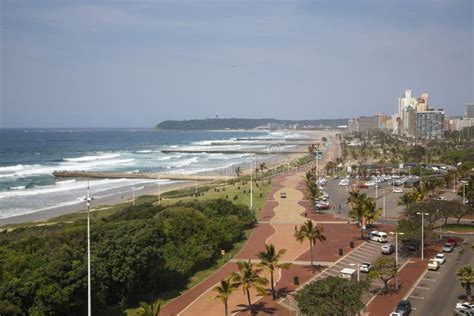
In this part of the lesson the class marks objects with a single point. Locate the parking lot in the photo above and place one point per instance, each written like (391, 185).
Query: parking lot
(437, 292)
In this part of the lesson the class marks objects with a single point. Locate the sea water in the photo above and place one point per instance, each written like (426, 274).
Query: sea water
(29, 156)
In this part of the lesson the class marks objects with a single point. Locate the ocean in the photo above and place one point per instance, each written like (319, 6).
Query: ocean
(29, 156)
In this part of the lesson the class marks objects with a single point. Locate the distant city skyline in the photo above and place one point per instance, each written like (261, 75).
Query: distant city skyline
(134, 64)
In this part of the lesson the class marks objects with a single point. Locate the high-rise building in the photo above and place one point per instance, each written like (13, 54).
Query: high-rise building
(422, 103)
(367, 123)
(470, 111)
(406, 103)
(430, 124)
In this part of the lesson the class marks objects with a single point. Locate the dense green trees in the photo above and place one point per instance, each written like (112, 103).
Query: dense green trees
(137, 253)
(331, 296)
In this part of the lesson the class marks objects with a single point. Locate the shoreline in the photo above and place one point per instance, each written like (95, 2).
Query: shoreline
(117, 198)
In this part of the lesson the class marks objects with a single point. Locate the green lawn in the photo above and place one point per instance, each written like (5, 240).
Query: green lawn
(458, 228)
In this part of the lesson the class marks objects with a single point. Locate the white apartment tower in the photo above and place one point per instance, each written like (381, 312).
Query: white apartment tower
(406, 104)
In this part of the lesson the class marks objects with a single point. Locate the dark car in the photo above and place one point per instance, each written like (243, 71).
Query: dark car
(403, 308)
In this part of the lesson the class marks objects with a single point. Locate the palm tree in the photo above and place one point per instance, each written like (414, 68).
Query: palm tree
(149, 309)
(311, 232)
(248, 277)
(237, 171)
(465, 274)
(311, 149)
(373, 213)
(406, 199)
(224, 290)
(360, 207)
(269, 261)
(262, 166)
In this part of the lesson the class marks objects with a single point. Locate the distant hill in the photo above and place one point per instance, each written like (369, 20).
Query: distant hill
(239, 123)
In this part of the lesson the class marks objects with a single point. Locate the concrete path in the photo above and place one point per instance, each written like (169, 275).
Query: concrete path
(276, 225)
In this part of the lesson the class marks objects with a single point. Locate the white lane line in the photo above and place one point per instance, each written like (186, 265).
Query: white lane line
(432, 280)
(437, 272)
(422, 287)
(418, 297)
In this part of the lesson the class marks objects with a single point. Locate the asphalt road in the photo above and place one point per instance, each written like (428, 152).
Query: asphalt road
(439, 291)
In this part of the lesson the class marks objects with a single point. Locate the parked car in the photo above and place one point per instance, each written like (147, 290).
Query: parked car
(464, 306)
(453, 241)
(362, 186)
(448, 247)
(403, 308)
(344, 182)
(283, 195)
(321, 205)
(397, 190)
(378, 236)
(365, 267)
(441, 258)
(463, 312)
(433, 265)
(387, 249)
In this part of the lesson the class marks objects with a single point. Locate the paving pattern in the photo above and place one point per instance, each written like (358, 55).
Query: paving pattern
(276, 225)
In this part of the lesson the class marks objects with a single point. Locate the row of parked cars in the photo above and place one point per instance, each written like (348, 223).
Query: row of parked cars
(440, 258)
(323, 202)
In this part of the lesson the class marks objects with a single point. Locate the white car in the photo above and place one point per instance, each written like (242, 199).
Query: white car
(441, 258)
(433, 265)
(397, 190)
(344, 182)
(464, 306)
(365, 267)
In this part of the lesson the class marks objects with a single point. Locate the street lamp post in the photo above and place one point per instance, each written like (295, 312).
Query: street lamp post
(383, 204)
(422, 234)
(88, 200)
(133, 196)
(396, 255)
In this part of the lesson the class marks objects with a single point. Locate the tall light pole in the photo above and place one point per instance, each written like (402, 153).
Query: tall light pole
(464, 192)
(133, 196)
(422, 234)
(383, 204)
(88, 200)
(251, 183)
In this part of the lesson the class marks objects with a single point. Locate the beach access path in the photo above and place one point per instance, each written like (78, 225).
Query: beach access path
(276, 226)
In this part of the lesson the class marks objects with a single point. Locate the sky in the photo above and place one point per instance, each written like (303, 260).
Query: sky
(136, 63)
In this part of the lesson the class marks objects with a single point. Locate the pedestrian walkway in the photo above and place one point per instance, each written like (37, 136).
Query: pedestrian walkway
(278, 219)
(384, 304)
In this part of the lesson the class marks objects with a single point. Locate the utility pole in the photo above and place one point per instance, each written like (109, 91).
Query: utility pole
(383, 204)
(422, 234)
(88, 200)
(251, 185)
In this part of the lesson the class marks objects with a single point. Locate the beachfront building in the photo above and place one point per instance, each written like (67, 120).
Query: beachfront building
(470, 110)
(430, 124)
(406, 103)
(408, 106)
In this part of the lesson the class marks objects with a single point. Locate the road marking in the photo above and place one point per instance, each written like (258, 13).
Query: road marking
(418, 297)
(422, 287)
(437, 272)
(427, 279)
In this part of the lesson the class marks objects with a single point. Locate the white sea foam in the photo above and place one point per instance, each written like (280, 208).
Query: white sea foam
(92, 158)
(63, 182)
(146, 151)
(20, 187)
(11, 168)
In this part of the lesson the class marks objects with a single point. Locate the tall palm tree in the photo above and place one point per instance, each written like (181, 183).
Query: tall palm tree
(465, 274)
(406, 199)
(262, 166)
(270, 260)
(248, 277)
(149, 309)
(237, 171)
(224, 290)
(311, 232)
(360, 206)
